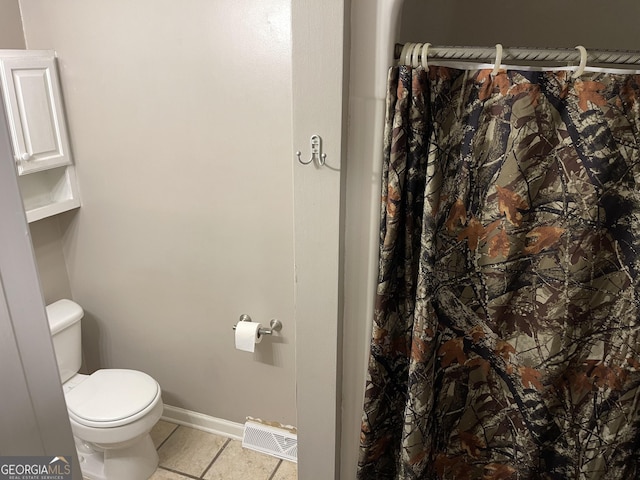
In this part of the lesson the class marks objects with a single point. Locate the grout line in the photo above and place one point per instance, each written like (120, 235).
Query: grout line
(215, 458)
(168, 436)
(188, 475)
(275, 470)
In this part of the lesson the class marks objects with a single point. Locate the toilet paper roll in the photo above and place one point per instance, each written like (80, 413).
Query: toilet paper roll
(247, 336)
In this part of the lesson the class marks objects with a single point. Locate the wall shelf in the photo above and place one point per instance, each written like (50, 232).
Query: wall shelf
(37, 125)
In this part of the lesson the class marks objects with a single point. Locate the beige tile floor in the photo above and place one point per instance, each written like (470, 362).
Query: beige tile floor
(186, 453)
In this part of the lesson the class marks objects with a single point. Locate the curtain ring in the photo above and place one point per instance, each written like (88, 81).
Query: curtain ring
(415, 51)
(498, 61)
(583, 62)
(424, 54)
(405, 56)
(405, 47)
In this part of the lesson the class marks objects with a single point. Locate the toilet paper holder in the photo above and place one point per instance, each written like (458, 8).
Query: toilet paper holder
(276, 325)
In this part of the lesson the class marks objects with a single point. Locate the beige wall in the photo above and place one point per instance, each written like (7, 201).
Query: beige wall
(48, 249)
(543, 23)
(180, 124)
(11, 35)
(320, 70)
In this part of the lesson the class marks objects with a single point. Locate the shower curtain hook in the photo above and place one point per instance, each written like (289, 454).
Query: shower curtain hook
(405, 56)
(424, 54)
(415, 51)
(583, 62)
(403, 53)
(498, 61)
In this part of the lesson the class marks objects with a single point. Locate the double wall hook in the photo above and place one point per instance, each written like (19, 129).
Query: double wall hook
(316, 152)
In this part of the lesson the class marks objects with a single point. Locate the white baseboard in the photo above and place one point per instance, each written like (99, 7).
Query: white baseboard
(203, 422)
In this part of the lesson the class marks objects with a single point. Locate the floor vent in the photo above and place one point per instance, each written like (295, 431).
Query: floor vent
(277, 442)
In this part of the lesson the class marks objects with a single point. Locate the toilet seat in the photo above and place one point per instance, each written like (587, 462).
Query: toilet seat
(112, 397)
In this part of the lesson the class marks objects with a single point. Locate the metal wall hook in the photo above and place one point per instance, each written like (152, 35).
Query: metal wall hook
(275, 324)
(316, 152)
(298, 154)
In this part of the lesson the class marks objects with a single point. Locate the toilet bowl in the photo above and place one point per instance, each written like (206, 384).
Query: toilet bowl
(111, 411)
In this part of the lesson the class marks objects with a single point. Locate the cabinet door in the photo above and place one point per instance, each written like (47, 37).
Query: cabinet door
(35, 114)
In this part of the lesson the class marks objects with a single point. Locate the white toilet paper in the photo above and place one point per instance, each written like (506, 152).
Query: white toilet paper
(247, 336)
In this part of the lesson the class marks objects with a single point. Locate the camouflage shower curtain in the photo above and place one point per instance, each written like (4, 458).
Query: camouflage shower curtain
(506, 338)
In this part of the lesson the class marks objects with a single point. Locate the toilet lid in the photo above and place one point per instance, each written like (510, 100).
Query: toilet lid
(111, 395)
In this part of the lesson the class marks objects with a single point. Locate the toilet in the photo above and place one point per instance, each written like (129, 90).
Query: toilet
(111, 411)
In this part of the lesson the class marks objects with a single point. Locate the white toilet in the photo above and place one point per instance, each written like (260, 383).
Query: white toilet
(111, 411)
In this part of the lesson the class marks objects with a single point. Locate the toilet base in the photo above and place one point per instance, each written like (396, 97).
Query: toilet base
(135, 462)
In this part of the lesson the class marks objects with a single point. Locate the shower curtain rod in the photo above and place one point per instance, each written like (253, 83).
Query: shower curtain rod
(488, 54)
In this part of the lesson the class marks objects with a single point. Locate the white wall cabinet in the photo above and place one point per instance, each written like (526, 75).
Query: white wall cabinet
(37, 126)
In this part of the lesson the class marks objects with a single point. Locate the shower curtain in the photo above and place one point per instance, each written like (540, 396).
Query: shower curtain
(506, 337)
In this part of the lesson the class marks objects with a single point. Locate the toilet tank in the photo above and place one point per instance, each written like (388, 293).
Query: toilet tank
(64, 322)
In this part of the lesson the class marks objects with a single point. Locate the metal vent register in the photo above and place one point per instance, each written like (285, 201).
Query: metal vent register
(277, 442)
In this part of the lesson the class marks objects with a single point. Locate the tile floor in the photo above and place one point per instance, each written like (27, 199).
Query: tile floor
(186, 453)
